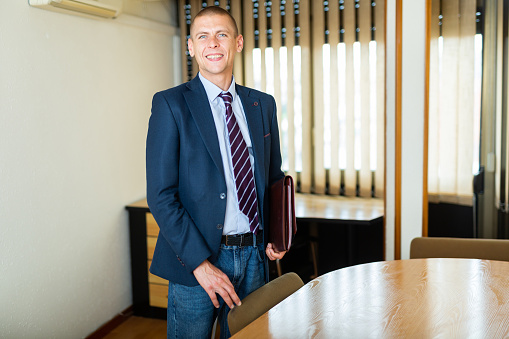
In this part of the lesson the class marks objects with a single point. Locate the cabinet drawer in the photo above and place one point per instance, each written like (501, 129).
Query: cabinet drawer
(152, 228)
(154, 279)
(158, 295)
(151, 245)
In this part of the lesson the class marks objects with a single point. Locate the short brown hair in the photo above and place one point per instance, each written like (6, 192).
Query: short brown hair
(216, 10)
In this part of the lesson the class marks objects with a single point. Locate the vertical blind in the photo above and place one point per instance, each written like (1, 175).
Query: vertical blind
(324, 62)
(454, 104)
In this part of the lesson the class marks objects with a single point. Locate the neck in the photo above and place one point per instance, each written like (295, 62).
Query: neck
(220, 80)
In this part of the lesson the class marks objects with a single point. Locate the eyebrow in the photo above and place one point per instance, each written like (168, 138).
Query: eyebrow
(216, 32)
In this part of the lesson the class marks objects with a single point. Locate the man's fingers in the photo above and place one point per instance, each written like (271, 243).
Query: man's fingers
(269, 251)
(278, 255)
(227, 286)
(231, 296)
(225, 281)
(226, 297)
(213, 281)
(213, 298)
(227, 292)
(236, 299)
(272, 254)
(269, 254)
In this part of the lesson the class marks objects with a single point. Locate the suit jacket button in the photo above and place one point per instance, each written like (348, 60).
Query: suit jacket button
(222, 196)
(219, 226)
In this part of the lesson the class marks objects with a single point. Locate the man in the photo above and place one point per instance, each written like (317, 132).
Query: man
(212, 153)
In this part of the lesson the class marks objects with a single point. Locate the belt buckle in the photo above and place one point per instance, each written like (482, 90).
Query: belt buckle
(234, 240)
(229, 238)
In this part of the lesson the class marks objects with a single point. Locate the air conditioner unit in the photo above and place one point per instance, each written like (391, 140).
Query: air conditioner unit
(87, 7)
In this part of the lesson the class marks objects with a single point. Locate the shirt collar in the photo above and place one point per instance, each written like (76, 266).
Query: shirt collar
(213, 91)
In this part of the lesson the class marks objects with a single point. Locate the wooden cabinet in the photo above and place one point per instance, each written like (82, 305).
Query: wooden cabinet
(150, 293)
(157, 287)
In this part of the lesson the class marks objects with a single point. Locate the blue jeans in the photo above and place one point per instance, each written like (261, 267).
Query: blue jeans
(191, 313)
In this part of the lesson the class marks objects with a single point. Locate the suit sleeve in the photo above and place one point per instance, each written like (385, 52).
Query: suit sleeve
(162, 165)
(275, 172)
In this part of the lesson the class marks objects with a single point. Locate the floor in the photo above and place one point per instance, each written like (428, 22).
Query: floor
(142, 328)
(139, 328)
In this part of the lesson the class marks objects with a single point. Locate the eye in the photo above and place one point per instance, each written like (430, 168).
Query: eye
(222, 35)
(202, 36)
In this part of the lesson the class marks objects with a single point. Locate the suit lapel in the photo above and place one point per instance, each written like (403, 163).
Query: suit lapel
(196, 99)
(254, 117)
(199, 107)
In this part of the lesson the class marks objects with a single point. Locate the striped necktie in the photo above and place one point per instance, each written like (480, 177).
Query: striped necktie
(244, 179)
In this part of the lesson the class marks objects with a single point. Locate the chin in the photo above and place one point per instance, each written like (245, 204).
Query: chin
(216, 71)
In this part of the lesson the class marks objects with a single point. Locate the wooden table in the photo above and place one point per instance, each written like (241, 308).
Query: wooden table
(338, 209)
(419, 298)
(361, 218)
(326, 208)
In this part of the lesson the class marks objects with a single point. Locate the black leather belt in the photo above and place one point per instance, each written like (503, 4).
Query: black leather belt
(246, 239)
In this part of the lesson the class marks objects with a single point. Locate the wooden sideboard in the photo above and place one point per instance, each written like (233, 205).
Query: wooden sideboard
(354, 219)
(150, 293)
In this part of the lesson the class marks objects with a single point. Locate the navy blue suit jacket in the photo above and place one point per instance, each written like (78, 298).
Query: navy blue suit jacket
(186, 188)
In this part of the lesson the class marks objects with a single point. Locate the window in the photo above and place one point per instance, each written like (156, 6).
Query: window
(455, 100)
(323, 61)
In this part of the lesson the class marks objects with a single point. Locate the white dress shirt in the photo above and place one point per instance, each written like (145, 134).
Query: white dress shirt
(235, 221)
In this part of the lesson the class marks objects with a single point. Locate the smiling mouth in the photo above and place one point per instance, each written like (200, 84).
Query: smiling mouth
(214, 56)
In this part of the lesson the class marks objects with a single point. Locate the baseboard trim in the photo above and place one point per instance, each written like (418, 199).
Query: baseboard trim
(102, 331)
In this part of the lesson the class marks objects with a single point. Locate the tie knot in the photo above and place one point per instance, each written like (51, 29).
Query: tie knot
(227, 97)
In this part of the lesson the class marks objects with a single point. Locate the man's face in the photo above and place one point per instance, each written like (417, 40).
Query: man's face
(213, 43)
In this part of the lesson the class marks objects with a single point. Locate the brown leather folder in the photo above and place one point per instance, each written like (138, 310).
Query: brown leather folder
(283, 225)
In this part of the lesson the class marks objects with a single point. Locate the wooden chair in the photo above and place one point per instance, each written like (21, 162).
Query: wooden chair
(262, 300)
(490, 249)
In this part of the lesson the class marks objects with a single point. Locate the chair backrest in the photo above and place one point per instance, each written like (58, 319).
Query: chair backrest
(490, 249)
(263, 299)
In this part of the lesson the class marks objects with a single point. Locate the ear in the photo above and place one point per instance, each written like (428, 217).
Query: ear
(240, 43)
(190, 47)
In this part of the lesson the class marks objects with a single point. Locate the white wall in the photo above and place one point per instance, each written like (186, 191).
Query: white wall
(412, 127)
(390, 129)
(412, 119)
(75, 97)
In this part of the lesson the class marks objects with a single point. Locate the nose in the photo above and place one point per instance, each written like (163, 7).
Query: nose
(213, 42)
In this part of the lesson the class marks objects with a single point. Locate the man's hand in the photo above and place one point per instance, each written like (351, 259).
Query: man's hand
(213, 281)
(272, 253)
